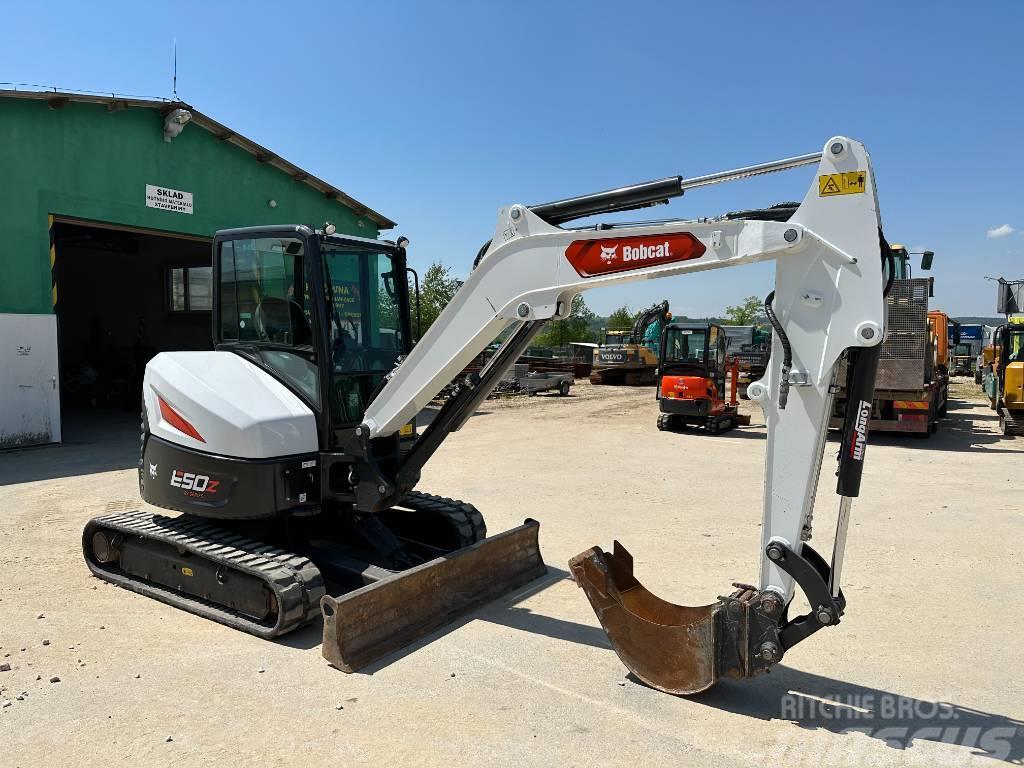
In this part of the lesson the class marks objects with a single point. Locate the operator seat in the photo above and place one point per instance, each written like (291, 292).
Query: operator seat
(282, 321)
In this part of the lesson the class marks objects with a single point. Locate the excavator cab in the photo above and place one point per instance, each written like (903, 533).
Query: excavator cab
(328, 316)
(692, 367)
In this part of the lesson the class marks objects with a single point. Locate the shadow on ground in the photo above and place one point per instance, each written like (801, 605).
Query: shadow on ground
(811, 701)
(94, 441)
(508, 613)
(962, 430)
(817, 702)
(749, 432)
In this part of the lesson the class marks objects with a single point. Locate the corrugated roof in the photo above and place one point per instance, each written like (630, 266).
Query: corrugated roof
(115, 102)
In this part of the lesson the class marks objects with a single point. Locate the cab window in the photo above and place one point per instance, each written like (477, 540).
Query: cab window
(264, 292)
(265, 307)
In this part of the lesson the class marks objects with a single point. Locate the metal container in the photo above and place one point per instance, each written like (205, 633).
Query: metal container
(904, 360)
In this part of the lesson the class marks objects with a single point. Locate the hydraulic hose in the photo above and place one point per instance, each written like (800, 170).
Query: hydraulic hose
(480, 254)
(787, 350)
(887, 261)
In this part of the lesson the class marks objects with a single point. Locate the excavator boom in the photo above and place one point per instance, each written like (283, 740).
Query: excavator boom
(827, 305)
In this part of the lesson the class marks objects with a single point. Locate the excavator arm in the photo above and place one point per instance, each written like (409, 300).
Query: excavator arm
(648, 316)
(827, 304)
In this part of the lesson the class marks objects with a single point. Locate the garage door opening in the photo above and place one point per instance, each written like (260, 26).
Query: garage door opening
(122, 297)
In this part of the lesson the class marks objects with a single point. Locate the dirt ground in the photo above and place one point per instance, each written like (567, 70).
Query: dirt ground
(924, 669)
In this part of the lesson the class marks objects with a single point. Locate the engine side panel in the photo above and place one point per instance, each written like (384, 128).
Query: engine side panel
(201, 484)
(236, 408)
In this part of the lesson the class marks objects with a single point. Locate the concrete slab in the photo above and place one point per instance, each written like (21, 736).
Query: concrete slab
(933, 565)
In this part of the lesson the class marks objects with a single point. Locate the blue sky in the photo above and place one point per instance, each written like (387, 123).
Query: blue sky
(437, 113)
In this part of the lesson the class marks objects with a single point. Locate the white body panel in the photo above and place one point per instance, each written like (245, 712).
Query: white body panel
(819, 331)
(29, 386)
(239, 409)
(828, 297)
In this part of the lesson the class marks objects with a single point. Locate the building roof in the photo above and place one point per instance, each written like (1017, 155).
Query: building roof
(114, 103)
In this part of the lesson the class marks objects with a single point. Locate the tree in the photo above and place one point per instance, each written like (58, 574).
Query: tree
(622, 318)
(436, 290)
(576, 327)
(750, 312)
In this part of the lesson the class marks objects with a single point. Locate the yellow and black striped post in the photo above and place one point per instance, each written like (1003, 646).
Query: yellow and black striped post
(53, 260)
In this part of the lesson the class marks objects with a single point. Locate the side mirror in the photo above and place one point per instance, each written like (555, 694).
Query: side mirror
(926, 259)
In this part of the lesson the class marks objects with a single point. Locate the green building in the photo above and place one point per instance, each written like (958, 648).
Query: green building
(108, 205)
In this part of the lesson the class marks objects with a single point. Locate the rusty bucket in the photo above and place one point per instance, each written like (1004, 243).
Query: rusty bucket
(670, 647)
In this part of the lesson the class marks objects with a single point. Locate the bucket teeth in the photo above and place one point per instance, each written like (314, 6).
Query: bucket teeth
(670, 647)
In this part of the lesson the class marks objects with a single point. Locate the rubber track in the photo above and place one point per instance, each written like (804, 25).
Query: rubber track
(294, 580)
(461, 514)
(1014, 425)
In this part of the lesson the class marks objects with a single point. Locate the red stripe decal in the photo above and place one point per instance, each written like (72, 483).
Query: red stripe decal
(177, 421)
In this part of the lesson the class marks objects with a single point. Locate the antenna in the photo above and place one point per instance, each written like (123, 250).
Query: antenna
(174, 82)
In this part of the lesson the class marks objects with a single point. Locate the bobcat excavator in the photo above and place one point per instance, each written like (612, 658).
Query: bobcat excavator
(293, 453)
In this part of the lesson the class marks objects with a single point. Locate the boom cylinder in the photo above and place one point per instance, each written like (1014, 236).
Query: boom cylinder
(621, 199)
(860, 393)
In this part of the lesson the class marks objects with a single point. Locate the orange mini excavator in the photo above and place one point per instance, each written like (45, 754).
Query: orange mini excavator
(692, 367)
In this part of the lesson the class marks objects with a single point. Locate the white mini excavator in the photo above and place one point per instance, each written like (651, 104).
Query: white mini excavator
(293, 451)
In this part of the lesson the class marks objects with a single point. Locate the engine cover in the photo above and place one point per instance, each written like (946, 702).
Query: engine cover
(222, 404)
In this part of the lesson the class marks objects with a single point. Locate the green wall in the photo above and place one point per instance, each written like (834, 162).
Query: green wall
(86, 162)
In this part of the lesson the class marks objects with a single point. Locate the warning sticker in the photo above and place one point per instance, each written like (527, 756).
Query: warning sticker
(850, 183)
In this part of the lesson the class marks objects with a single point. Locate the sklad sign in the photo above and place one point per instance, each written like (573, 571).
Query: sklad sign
(168, 199)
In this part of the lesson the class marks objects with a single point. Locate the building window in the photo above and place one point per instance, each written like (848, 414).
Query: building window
(190, 289)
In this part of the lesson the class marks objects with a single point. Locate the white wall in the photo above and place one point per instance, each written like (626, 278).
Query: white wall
(29, 387)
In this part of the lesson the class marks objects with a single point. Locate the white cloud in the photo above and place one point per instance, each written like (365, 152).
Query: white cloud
(1001, 231)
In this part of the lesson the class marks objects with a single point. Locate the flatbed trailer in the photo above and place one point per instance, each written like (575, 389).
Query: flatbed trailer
(542, 381)
(912, 384)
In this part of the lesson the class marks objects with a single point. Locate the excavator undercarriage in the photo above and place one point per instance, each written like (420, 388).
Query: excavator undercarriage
(288, 578)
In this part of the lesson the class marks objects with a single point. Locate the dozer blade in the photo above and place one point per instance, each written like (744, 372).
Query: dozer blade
(670, 647)
(373, 621)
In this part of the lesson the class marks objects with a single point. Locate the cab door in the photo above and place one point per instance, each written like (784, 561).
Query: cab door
(721, 357)
(715, 356)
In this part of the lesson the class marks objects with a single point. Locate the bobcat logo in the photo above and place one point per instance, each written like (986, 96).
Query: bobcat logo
(152, 471)
(608, 254)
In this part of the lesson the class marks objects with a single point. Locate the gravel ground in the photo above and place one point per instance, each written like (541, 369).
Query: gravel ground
(100, 676)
